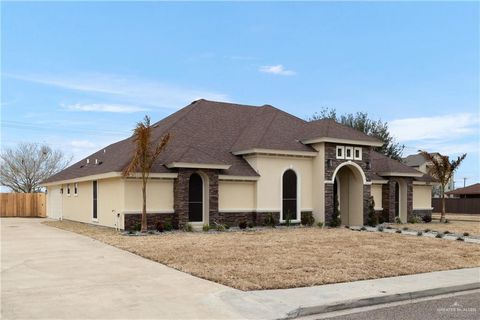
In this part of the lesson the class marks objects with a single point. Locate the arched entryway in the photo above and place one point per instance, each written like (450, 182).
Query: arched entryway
(348, 188)
(289, 196)
(195, 198)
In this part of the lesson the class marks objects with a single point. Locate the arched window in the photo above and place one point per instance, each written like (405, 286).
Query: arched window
(289, 196)
(195, 198)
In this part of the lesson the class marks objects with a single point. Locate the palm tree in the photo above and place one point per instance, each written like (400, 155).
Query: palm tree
(441, 168)
(146, 152)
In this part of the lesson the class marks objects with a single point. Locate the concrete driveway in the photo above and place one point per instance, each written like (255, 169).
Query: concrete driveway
(50, 273)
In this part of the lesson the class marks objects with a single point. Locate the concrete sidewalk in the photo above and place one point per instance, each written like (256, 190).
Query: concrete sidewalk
(51, 273)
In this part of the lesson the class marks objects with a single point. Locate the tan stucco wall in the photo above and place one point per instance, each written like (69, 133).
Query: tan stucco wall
(159, 195)
(318, 183)
(271, 170)
(110, 199)
(422, 197)
(236, 195)
(376, 192)
(80, 207)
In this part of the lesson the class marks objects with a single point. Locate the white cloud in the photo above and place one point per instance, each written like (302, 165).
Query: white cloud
(278, 70)
(82, 144)
(436, 127)
(448, 134)
(102, 107)
(126, 89)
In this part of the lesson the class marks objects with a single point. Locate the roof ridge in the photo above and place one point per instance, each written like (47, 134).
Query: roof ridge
(268, 127)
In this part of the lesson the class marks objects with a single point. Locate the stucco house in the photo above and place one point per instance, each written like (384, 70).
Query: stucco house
(228, 163)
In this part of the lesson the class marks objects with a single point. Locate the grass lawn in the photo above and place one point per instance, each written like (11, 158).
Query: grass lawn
(287, 258)
(457, 224)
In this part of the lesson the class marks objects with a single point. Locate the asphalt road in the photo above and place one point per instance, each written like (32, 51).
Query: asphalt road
(455, 306)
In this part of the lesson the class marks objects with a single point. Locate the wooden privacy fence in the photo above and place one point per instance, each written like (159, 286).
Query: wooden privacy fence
(457, 205)
(22, 205)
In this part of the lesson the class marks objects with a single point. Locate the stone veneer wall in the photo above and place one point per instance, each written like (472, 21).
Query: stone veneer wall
(330, 153)
(180, 194)
(388, 198)
(131, 219)
(255, 218)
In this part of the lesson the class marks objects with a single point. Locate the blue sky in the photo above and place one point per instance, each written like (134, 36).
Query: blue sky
(79, 75)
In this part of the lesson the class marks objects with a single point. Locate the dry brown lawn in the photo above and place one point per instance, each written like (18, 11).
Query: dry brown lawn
(287, 258)
(455, 226)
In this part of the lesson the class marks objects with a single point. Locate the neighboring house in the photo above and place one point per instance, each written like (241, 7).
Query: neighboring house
(418, 162)
(228, 163)
(472, 191)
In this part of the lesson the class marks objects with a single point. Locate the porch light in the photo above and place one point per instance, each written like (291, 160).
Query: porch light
(329, 163)
(369, 166)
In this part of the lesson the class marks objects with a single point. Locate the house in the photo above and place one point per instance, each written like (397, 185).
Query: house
(228, 163)
(472, 191)
(418, 162)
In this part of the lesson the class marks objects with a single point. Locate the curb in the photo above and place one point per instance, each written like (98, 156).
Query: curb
(357, 303)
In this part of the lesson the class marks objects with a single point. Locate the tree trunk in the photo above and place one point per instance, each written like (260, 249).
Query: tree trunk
(144, 227)
(442, 215)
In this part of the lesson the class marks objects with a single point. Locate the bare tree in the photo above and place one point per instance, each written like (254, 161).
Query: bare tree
(441, 168)
(146, 152)
(25, 166)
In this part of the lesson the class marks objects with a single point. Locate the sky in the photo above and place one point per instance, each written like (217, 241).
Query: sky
(78, 76)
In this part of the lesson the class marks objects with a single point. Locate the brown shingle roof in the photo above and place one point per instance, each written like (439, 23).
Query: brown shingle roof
(472, 189)
(207, 132)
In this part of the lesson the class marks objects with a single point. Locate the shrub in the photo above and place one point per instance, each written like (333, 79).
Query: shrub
(269, 220)
(372, 218)
(307, 219)
(380, 229)
(137, 226)
(446, 232)
(250, 225)
(419, 233)
(219, 227)
(398, 220)
(405, 228)
(388, 227)
(151, 232)
(206, 227)
(336, 220)
(363, 228)
(460, 239)
(320, 224)
(188, 227)
(226, 226)
(415, 219)
(159, 226)
(398, 231)
(168, 226)
(288, 219)
(427, 218)
(242, 225)
(439, 235)
(447, 221)
(466, 234)
(347, 226)
(426, 230)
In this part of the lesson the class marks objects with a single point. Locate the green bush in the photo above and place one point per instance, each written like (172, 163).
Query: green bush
(460, 239)
(250, 225)
(242, 225)
(320, 224)
(363, 228)
(288, 219)
(398, 220)
(447, 221)
(380, 229)
(405, 228)
(308, 219)
(415, 219)
(168, 226)
(188, 227)
(446, 232)
(426, 230)
(336, 220)
(398, 231)
(219, 227)
(419, 233)
(439, 235)
(226, 226)
(466, 234)
(137, 226)
(372, 219)
(269, 220)
(206, 227)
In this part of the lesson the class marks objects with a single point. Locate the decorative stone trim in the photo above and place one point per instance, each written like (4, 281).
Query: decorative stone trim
(131, 219)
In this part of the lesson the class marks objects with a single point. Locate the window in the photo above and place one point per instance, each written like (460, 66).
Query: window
(340, 150)
(289, 195)
(68, 190)
(348, 152)
(357, 153)
(94, 215)
(61, 190)
(75, 189)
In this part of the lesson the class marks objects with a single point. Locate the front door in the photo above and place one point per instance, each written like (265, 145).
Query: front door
(397, 199)
(195, 198)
